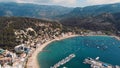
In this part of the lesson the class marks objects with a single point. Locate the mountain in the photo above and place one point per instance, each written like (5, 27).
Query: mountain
(98, 17)
(92, 10)
(53, 11)
(105, 18)
(32, 10)
(103, 22)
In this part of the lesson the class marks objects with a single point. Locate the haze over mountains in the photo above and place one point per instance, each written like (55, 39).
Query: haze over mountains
(48, 11)
(32, 10)
(98, 17)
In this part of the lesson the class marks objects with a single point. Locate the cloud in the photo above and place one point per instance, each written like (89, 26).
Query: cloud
(69, 3)
(57, 2)
(47, 2)
(97, 2)
(64, 1)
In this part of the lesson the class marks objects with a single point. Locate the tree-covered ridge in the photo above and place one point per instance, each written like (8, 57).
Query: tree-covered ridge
(103, 22)
(17, 30)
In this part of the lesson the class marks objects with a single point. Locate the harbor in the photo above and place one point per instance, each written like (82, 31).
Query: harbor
(64, 61)
(59, 50)
(95, 63)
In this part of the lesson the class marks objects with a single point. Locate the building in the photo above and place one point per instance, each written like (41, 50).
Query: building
(5, 60)
(21, 48)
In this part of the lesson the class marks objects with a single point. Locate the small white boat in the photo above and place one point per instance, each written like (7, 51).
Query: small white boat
(64, 67)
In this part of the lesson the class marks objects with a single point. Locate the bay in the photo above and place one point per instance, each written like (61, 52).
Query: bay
(105, 47)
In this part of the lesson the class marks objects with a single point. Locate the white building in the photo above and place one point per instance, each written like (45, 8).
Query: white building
(20, 48)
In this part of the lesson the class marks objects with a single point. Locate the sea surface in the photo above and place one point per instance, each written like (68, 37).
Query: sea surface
(105, 47)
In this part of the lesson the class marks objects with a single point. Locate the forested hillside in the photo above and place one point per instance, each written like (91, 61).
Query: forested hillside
(14, 30)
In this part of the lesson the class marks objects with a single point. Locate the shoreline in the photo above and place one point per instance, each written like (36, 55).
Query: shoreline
(33, 60)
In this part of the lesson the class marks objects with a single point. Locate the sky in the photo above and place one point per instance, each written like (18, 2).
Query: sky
(67, 3)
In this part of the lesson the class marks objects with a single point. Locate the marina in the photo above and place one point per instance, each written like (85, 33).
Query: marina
(95, 63)
(62, 62)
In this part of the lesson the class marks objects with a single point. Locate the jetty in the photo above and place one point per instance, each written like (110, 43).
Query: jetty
(95, 63)
(63, 61)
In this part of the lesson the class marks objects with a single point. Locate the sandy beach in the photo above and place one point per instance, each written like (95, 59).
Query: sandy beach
(33, 61)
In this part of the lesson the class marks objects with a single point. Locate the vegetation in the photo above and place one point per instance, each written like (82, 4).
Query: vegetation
(104, 18)
(104, 22)
(32, 10)
(7, 38)
(9, 25)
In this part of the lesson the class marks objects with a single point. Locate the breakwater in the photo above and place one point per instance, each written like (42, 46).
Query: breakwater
(62, 62)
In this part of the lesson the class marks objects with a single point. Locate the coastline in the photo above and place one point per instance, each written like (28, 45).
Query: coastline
(33, 61)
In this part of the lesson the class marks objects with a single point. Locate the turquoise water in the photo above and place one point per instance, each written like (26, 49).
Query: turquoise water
(107, 48)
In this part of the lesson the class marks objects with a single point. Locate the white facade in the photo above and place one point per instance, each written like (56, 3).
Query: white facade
(20, 48)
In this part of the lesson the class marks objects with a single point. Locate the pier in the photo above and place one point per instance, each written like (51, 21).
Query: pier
(95, 63)
(64, 61)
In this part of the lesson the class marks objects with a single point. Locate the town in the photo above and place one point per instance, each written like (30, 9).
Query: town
(18, 58)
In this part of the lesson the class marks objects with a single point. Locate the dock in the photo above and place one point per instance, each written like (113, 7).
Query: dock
(95, 63)
(64, 61)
